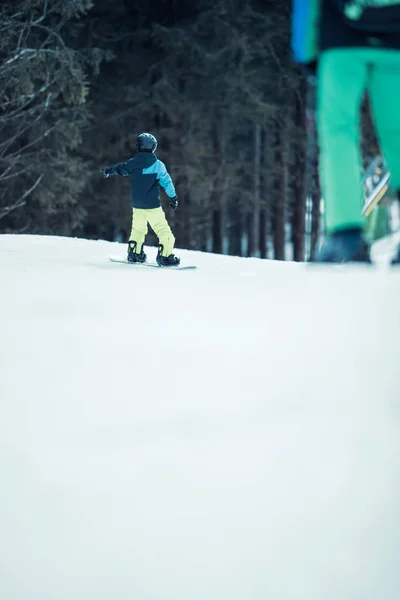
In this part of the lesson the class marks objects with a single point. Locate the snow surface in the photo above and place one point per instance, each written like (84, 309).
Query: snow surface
(229, 433)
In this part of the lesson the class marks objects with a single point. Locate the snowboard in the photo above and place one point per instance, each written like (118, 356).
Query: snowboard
(120, 259)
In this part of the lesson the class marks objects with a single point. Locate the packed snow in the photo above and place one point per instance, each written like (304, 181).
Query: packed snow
(228, 433)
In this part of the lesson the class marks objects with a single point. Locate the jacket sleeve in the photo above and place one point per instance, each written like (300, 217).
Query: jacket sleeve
(122, 168)
(165, 180)
(305, 29)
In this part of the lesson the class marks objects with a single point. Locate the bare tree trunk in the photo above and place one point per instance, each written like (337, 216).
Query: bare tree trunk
(263, 233)
(217, 228)
(312, 162)
(221, 186)
(250, 233)
(316, 212)
(299, 177)
(186, 222)
(263, 230)
(279, 195)
(268, 182)
(254, 231)
(235, 232)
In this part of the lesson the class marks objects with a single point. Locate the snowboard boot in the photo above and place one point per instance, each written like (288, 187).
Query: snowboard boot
(396, 258)
(166, 261)
(343, 246)
(134, 256)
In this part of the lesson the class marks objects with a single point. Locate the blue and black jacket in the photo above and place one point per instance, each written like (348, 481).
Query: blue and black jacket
(147, 173)
(317, 26)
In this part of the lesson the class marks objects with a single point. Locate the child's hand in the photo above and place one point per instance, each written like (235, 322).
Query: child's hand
(173, 203)
(106, 171)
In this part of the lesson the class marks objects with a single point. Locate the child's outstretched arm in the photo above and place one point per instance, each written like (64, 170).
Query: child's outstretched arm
(123, 168)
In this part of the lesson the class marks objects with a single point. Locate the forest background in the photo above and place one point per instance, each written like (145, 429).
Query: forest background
(214, 81)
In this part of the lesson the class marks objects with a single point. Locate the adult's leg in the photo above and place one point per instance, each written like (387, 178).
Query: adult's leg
(341, 82)
(384, 91)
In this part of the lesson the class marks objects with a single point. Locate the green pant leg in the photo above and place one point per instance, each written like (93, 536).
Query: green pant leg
(139, 228)
(159, 224)
(384, 91)
(342, 79)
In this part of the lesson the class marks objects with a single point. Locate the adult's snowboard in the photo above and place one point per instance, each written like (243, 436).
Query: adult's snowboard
(120, 259)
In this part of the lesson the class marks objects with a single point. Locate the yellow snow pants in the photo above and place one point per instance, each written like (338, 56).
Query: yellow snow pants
(155, 217)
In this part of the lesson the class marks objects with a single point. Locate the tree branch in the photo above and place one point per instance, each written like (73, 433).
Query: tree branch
(21, 201)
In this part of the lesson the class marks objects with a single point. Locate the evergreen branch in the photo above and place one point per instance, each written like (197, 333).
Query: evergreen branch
(21, 201)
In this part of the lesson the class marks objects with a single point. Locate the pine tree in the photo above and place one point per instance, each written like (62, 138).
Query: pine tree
(43, 90)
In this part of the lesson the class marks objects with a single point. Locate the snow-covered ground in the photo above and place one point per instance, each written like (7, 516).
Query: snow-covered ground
(229, 433)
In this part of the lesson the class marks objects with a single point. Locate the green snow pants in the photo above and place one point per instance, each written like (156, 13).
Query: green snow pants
(155, 217)
(344, 74)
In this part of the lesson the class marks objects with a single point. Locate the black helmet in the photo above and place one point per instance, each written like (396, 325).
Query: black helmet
(146, 143)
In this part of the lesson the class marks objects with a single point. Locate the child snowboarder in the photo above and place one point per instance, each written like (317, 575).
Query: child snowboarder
(147, 173)
(355, 47)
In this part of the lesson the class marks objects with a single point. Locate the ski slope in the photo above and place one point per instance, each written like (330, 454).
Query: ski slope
(229, 433)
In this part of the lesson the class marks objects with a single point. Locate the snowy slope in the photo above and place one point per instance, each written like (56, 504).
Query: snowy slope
(230, 433)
